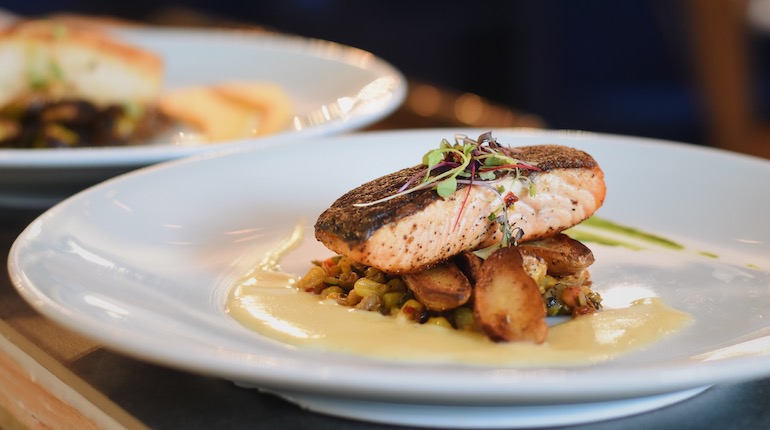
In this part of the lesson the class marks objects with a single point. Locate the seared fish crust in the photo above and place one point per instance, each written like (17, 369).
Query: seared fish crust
(418, 230)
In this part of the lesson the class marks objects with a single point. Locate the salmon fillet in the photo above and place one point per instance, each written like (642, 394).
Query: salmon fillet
(415, 231)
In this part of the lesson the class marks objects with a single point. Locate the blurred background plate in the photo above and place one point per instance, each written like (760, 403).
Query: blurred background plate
(316, 74)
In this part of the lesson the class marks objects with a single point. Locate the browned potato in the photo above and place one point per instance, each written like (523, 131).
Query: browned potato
(470, 264)
(441, 287)
(507, 303)
(562, 254)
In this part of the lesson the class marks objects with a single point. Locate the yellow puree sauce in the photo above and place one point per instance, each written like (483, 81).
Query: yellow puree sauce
(267, 302)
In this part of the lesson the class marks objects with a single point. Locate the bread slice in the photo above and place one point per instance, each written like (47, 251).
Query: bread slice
(230, 110)
(270, 100)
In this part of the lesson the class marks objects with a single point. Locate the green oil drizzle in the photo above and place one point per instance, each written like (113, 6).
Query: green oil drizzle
(584, 236)
(614, 227)
(618, 230)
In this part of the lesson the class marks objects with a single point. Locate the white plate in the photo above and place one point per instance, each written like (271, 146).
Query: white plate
(143, 264)
(315, 73)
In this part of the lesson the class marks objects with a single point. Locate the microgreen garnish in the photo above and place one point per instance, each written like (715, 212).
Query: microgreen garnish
(481, 162)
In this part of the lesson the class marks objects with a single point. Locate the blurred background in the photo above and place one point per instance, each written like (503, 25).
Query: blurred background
(685, 70)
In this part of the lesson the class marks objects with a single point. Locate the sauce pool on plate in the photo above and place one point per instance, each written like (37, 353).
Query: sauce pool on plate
(267, 302)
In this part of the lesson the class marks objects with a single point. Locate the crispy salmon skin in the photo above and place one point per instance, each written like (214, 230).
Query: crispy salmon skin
(417, 230)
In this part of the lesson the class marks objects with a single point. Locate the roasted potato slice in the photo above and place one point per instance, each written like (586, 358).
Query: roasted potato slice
(441, 287)
(470, 264)
(507, 304)
(562, 254)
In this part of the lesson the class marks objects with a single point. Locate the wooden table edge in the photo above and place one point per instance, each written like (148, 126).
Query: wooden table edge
(38, 392)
